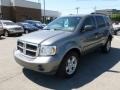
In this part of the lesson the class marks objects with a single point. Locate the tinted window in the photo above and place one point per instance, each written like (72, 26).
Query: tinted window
(100, 21)
(89, 21)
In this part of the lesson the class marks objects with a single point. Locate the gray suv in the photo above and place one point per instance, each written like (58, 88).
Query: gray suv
(58, 47)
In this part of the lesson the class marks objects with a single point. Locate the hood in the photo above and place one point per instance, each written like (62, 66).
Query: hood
(11, 26)
(40, 36)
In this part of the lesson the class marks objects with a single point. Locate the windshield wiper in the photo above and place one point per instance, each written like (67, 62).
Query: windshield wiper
(46, 29)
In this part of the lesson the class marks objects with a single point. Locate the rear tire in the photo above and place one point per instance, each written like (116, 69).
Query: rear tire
(118, 33)
(26, 31)
(69, 65)
(106, 48)
(6, 33)
(20, 34)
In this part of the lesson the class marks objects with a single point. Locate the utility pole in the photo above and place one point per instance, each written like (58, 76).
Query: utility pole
(77, 8)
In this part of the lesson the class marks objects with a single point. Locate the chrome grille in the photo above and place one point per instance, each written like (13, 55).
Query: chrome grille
(28, 49)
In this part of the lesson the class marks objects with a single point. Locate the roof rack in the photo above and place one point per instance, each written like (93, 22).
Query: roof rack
(99, 13)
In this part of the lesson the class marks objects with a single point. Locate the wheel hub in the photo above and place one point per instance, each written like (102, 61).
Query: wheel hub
(71, 65)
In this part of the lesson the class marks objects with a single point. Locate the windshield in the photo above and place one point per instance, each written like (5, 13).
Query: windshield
(9, 23)
(64, 23)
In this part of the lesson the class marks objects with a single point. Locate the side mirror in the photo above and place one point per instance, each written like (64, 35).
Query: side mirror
(88, 27)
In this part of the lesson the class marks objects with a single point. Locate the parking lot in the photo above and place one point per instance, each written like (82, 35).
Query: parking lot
(98, 71)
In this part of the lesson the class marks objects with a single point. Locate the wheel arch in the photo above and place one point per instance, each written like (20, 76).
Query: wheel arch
(74, 50)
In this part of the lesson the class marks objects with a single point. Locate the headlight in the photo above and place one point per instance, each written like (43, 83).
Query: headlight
(47, 50)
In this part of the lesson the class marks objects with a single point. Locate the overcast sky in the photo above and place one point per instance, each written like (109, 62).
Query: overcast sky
(86, 6)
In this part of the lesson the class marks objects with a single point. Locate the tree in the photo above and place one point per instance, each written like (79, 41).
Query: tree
(115, 17)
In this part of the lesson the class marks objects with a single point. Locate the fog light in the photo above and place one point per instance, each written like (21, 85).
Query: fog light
(40, 68)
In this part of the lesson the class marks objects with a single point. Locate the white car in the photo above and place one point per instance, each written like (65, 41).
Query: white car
(10, 27)
(116, 27)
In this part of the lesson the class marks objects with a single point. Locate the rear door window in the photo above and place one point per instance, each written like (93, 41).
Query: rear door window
(100, 21)
(89, 21)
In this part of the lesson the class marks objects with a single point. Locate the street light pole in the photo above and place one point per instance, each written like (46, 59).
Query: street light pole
(39, 2)
(44, 12)
(1, 9)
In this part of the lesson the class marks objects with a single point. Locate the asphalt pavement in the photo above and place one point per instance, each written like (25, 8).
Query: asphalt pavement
(97, 71)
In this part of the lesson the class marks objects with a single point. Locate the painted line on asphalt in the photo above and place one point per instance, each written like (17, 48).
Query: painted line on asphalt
(7, 79)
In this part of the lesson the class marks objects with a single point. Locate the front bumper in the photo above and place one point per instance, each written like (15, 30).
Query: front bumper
(40, 64)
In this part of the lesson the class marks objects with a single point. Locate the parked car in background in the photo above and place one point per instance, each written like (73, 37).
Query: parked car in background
(1, 30)
(116, 27)
(28, 28)
(58, 47)
(10, 28)
(35, 23)
(44, 25)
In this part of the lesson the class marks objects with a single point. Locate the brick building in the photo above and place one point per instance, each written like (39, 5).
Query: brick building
(18, 10)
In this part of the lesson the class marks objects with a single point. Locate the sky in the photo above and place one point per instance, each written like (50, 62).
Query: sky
(67, 7)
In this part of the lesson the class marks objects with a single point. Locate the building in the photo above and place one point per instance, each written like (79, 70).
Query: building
(49, 15)
(19, 10)
(108, 12)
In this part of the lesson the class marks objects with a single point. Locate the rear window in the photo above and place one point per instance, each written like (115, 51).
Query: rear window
(100, 21)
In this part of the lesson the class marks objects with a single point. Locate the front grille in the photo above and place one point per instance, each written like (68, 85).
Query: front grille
(30, 53)
(20, 44)
(27, 48)
(31, 47)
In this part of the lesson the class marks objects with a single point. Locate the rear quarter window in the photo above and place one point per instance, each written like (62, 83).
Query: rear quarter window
(108, 21)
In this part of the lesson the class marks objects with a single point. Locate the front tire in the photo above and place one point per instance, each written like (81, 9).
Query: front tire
(69, 65)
